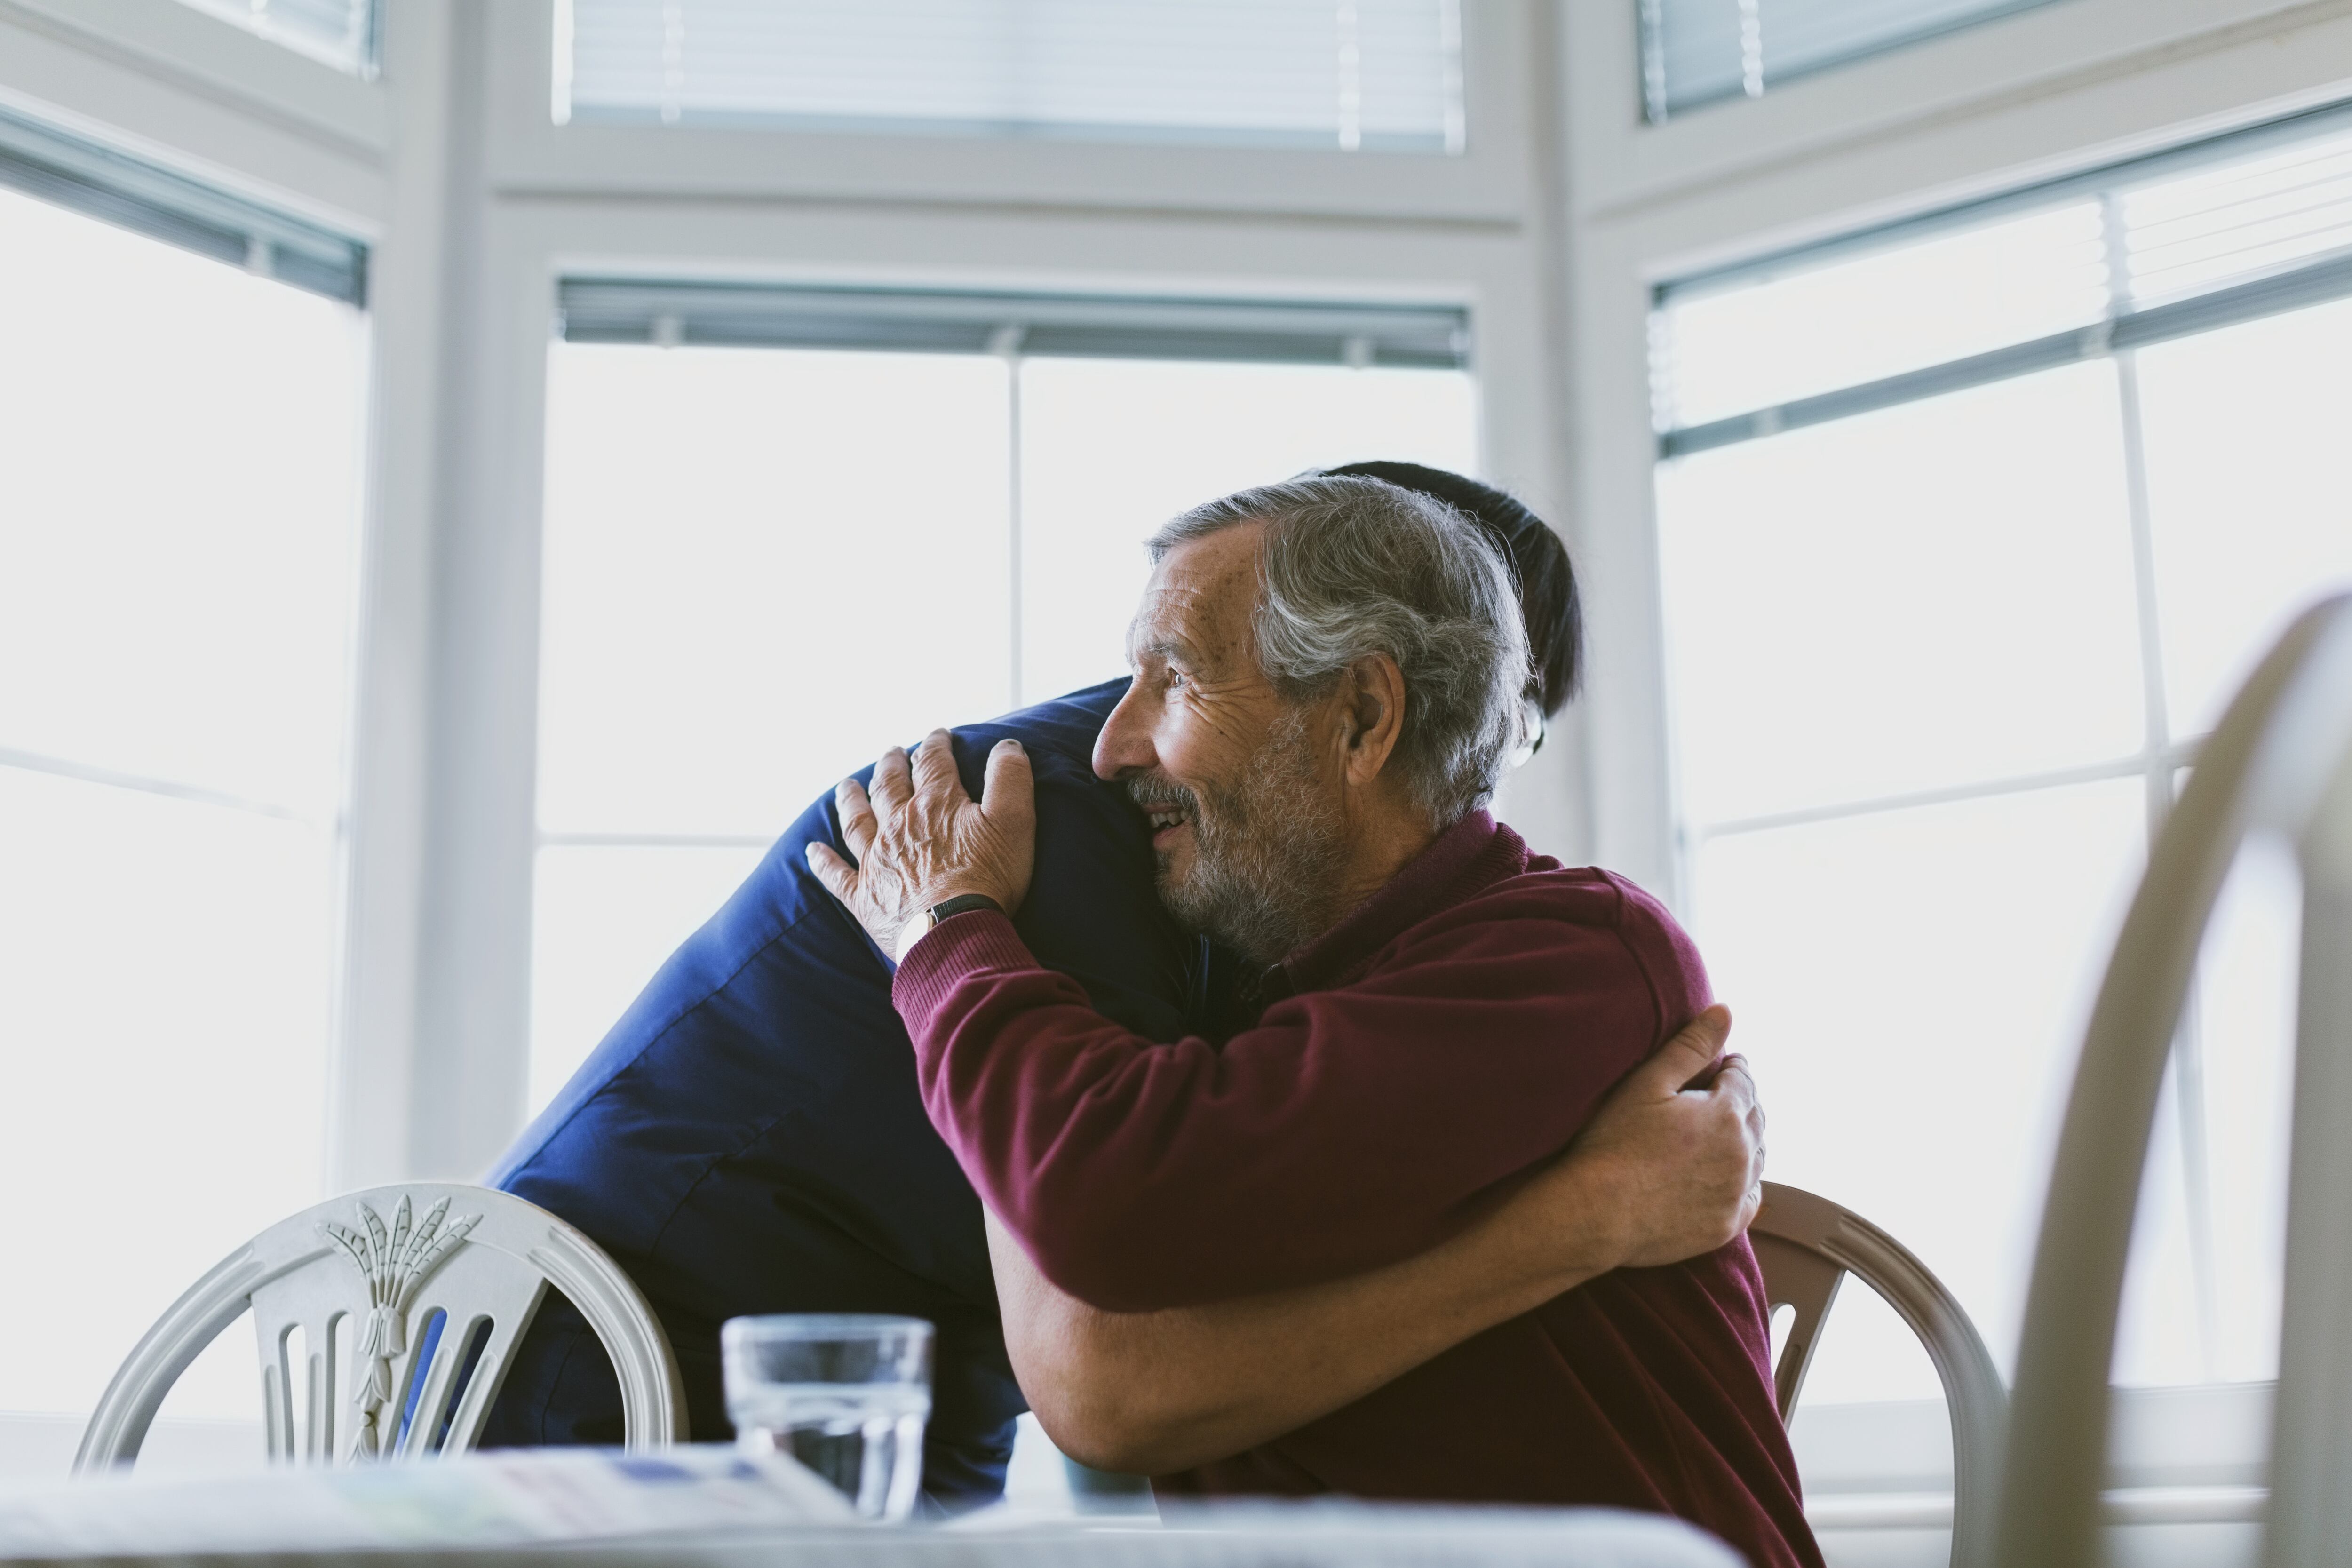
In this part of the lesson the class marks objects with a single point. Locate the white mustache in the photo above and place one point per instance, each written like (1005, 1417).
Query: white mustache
(1164, 797)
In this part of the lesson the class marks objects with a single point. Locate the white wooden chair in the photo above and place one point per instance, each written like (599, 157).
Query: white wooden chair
(362, 1277)
(2280, 762)
(1806, 1246)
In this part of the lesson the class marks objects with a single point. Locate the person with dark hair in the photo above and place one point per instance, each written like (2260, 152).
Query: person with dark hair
(749, 1137)
(1549, 600)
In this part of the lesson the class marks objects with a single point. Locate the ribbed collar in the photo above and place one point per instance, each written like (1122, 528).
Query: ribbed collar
(1467, 857)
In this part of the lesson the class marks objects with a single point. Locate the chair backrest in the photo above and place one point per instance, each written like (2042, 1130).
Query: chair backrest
(1806, 1246)
(2280, 761)
(408, 1301)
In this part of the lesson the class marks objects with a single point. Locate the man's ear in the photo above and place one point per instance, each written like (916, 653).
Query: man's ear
(1371, 715)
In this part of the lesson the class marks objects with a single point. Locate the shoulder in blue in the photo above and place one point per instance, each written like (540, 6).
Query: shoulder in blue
(750, 1138)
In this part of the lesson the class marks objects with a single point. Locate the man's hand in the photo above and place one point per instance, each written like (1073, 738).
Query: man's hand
(1677, 1153)
(919, 840)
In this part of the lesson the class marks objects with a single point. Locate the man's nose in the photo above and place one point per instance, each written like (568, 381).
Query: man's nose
(1124, 746)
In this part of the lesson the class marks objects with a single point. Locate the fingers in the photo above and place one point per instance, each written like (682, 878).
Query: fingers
(839, 877)
(935, 766)
(856, 814)
(1737, 1090)
(1009, 788)
(1690, 1055)
(893, 785)
(1733, 1083)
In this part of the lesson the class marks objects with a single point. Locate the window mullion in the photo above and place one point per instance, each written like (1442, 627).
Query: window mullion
(2188, 1045)
(2135, 455)
(1006, 344)
(170, 789)
(1952, 794)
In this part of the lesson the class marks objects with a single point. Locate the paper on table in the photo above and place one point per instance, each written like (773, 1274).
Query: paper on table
(501, 1498)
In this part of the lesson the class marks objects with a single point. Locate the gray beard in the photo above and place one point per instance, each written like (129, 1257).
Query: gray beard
(1268, 857)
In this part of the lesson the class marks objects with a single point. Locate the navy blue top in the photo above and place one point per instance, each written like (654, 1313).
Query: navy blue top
(749, 1137)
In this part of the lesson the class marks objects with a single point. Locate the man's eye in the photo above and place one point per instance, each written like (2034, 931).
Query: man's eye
(1175, 679)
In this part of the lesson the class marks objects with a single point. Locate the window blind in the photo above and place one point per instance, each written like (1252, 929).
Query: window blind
(621, 311)
(1355, 75)
(120, 189)
(2251, 224)
(342, 33)
(1701, 51)
(2192, 232)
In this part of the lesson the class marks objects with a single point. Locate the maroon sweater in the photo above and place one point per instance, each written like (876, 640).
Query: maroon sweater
(1453, 1032)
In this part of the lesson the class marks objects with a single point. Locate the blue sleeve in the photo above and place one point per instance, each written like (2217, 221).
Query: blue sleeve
(749, 1137)
(1093, 911)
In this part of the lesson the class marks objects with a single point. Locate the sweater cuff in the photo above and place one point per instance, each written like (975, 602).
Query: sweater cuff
(947, 955)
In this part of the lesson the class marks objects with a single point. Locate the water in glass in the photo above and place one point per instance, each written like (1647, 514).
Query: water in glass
(846, 1395)
(867, 1441)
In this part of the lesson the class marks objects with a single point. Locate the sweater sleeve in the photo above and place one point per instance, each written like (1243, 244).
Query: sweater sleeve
(1350, 1128)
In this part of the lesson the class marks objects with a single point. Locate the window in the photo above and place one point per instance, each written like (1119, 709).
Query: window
(718, 646)
(1697, 52)
(69, 172)
(1968, 530)
(179, 478)
(341, 33)
(1358, 74)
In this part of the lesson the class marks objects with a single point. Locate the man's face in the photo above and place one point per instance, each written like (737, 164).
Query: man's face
(1248, 828)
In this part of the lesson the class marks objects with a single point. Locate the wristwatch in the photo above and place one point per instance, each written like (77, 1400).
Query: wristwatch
(915, 930)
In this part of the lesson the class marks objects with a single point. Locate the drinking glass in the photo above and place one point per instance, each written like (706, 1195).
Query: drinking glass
(846, 1394)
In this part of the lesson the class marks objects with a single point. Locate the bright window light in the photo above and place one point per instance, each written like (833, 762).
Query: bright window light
(179, 462)
(2246, 498)
(1113, 448)
(1871, 608)
(1941, 649)
(715, 651)
(1363, 76)
(1911, 985)
(1814, 328)
(716, 517)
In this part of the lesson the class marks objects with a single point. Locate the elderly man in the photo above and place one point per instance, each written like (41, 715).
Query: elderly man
(750, 1138)
(1326, 681)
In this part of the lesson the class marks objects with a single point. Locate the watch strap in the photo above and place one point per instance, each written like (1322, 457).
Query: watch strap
(963, 904)
(927, 922)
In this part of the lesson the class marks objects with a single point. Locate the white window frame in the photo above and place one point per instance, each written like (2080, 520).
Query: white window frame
(1485, 182)
(2011, 102)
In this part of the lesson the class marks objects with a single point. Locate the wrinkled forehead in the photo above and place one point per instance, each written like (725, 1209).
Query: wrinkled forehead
(1196, 608)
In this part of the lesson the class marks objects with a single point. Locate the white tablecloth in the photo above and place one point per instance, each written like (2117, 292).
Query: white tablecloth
(704, 1509)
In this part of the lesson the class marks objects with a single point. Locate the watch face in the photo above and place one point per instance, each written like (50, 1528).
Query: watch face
(912, 931)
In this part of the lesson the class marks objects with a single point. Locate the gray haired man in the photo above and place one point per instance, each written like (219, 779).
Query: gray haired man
(1326, 683)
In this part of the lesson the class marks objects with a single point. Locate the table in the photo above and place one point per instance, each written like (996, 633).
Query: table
(710, 1508)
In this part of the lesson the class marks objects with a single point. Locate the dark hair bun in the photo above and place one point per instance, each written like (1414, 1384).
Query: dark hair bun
(1540, 566)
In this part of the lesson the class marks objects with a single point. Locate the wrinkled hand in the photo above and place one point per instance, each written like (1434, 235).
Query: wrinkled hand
(1677, 1153)
(919, 839)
